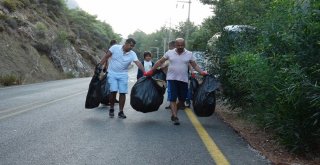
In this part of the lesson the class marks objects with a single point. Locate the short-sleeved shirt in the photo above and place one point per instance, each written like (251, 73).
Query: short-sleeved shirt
(147, 65)
(120, 60)
(178, 68)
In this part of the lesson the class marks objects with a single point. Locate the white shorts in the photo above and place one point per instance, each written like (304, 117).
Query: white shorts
(118, 82)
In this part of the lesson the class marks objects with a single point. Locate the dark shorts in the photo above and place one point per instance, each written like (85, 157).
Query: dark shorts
(178, 89)
(168, 90)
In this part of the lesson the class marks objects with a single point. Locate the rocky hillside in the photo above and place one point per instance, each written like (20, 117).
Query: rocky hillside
(42, 40)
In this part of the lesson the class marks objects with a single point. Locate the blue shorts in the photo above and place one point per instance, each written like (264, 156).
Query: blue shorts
(118, 82)
(178, 89)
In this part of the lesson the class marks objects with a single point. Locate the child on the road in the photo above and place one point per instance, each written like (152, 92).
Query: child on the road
(147, 63)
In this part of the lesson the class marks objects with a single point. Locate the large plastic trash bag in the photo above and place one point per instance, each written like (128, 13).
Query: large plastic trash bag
(159, 74)
(160, 78)
(204, 100)
(94, 94)
(105, 90)
(193, 86)
(146, 95)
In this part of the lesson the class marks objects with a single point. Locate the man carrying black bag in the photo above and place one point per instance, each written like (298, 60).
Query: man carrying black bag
(121, 58)
(177, 74)
(104, 84)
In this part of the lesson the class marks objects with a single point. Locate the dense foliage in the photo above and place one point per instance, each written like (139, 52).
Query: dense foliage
(87, 27)
(274, 74)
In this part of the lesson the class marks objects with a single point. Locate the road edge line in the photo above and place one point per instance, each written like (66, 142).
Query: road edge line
(40, 105)
(211, 146)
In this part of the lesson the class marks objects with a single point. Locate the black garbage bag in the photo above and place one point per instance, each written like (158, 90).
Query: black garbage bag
(204, 100)
(159, 74)
(193, 86)
(146, 95)
(160, 77)
(105, 90)
(94, 94)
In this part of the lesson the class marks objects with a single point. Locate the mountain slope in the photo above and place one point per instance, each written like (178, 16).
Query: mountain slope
(42, 40)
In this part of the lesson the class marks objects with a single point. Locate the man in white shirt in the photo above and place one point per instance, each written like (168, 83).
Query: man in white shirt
(121, 58)
(177, 75)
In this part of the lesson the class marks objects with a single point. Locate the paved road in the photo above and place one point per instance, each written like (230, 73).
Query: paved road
(46, 123)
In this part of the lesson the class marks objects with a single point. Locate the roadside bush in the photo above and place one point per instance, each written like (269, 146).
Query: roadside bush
(11, 79)
(275, 81)
(249, 78)
(295, 115)
(277, 94)
(231, 40)
(293, 27)
(68, 75)
(290, 38)
(62, 38)
(41, 28)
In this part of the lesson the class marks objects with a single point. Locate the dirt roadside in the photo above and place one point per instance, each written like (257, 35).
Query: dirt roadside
(260, 140)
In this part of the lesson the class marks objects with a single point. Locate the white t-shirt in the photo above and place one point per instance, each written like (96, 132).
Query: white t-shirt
(178, 68)
(147, 65)
(120, 60)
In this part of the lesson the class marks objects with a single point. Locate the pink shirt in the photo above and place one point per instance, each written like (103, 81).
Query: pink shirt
(178, 67)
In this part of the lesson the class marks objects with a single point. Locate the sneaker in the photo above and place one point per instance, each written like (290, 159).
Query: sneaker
(111, 113)
(172, 118)
(188, 103)
(175, 121)
(122, 115)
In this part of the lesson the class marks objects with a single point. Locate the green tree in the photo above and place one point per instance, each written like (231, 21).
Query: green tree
(151, 42)
(97, 34)
(199, 38)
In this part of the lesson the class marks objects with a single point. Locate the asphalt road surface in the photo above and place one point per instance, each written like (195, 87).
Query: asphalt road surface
(46, 123)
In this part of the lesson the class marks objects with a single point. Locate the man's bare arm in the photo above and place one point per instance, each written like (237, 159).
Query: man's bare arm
(105, 58)
(139, 65)
(196, 66)
(158, 63)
